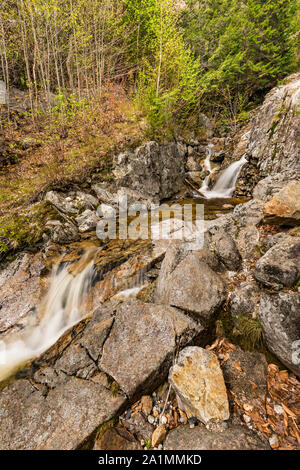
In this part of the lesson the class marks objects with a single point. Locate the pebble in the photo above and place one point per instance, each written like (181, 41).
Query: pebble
(192, 426)
(151, 419)
(163, 420)
(224, 425)
(273, 440)
(160, 447)
(128, 414)
(278, 409)
(147, 404)
(142, 442)
(159, 435)
(193, 420)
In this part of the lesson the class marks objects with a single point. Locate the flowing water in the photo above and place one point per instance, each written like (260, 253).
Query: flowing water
(63, 307)
(225, 186)
(67, 300)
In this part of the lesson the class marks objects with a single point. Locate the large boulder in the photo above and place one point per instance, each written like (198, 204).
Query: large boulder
(198, 382)
(279, 315)
(280, 266)
(20, 291)
(245, 374)
(139, 350)
(275, 133)
(268, 187)
(236, 437)
(157, 171)
(284, 207)
(186, 281)
(226, 250)
(244, 301)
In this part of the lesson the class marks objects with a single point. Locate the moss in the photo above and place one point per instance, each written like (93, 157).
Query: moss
(248, 336)
(23, 230)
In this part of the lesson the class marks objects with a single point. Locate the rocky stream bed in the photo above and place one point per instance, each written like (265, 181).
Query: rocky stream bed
(171, 348)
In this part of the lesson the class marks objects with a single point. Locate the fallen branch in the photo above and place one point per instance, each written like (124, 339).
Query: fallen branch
(201, 194)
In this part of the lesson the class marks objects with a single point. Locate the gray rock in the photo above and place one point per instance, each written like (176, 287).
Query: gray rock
(139, 426)
(199, 385)
(236, 437)
(274, 137)
(62, 202)
(268, 187)
(140, 347)
(61, 420)
(87, 201)
(157, 171)
(67, 398)
(253, 369)
(104, 210)
(272, 240)
(87, 221)
(20, 291)
(62, 232)
(280, 319)
(187, 282)
(247, 239)
(280, 266)
(250, 213)
(226, 250)
(105, 193)
(284, 207)
(244, 301)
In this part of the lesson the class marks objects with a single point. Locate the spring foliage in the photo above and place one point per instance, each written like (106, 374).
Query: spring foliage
(175, 56)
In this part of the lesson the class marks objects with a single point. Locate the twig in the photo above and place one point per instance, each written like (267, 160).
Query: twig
(188, 182)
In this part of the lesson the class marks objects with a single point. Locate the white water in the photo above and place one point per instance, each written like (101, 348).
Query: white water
(62, 308)
(207, 166)
(225, 185)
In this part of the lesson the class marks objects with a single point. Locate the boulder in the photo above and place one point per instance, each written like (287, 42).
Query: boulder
(87, 221)
(57, 420)
(86, 201)
(249, 213)
(46, 406)
(187, 282)
(198, 382)
(105, 193)
(245, 374)
(157, 171)
(226, 250)
(62, 202)
(280, 266)
(139, 426)
(244, 301)
(236, 437)
(20, 291)
(284, 207)
(139, 350)
(116, 439)
(272, 240)
(62, 232)
(280, 320)
(268, 187)
(275, 133)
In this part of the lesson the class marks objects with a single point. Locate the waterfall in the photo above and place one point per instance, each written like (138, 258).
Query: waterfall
(226, 183)
(207, 166)
(63, 307)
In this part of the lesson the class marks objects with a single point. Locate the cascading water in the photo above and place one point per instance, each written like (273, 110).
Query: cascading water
(208, 168)
(225, 185)
(63, 307)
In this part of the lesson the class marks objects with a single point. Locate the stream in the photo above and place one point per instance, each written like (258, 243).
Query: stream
(70, 296)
